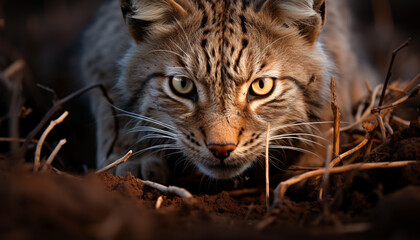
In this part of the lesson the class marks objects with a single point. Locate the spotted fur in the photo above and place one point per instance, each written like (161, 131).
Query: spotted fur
(222, 46)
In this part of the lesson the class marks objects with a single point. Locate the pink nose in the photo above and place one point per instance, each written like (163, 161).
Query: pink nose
(221, 151)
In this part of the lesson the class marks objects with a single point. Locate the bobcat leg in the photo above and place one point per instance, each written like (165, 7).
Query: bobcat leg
(148, 166)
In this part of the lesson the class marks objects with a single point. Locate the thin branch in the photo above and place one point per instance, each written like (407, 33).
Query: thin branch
(10, 139)
(283, 186)
(336, 160)
(388, 76)
(367, 112)
(14, 68)
(115, 163)
(53, 154)
(394, 89)
(42, 139)
(50, 90)
(267, 172)
(183, 193)
(412, 82)
(401, 121)
(58, 105)
(381, 126)
(414, 92)
(300, 168)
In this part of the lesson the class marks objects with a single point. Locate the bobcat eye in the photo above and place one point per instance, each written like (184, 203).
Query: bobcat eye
(262, 86)
(181, 85)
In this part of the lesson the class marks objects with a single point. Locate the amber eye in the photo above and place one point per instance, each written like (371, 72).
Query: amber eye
(262, 86)
(182, 85)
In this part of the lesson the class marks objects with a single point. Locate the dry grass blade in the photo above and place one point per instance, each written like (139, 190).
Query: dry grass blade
(159, 202)
(183, 193)
(53, 154)
(43, 136)
(336, 112)
(267, 172)
(283, 186)
(115, 163)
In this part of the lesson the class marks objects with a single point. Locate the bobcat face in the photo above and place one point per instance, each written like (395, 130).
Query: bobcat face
(205, 77)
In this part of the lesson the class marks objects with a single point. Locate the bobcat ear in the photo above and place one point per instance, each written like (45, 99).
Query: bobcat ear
(145, 18)
(306, 15)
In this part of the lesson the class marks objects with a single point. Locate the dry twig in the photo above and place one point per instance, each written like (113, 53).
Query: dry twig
(159, 202)
(53, 154)
(388, 76)
(412, 82)
(394, 104)
(115, 163)
(401, 121)
(57, 106)
(267, 172)
(336, 112)
(42, 139)
(16, 67)
(336, 160)
(183, 193)
(367, 112)
(283, 186)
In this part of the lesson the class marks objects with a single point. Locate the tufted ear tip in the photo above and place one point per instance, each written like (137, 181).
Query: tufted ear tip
(145, 18)
(308, 16)
(178, 8)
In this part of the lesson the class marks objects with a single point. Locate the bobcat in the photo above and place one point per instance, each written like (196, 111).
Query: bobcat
(202, 78)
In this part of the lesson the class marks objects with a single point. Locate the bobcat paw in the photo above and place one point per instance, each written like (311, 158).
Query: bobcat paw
(131, 167)
(154, 169)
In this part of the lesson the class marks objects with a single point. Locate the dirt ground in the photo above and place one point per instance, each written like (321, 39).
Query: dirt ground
(80, 204)
(376, 204)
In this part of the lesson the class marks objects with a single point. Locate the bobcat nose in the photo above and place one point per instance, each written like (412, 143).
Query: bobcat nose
(221, 151)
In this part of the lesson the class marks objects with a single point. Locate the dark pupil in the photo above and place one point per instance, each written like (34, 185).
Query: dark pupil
(261, 84)
(183, 82)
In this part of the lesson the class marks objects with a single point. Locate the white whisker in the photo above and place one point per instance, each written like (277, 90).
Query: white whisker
(151, 129)
(144, 118)
(303, 140)
(295, 149)
(300, 124)
(163, 146)
(155, 136)
(275, 137)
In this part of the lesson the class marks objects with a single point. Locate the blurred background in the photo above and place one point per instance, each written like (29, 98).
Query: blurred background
(45, 34)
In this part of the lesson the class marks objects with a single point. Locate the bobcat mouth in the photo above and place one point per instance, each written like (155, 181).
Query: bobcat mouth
(224, 167)
(223, 171)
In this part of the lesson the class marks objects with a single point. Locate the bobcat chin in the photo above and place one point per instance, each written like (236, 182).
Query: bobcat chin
(202, 78)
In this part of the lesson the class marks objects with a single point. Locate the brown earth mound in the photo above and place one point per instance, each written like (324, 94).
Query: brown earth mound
(379, 204)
